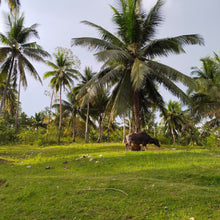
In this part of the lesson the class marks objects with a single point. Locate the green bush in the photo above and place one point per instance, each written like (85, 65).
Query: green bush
(212, 141)
(164, 139)
(8, 135)
(28, 136)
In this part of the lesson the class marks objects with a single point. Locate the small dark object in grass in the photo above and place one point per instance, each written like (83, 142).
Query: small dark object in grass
(66, 167)
(48, 167)
(2, 182)
(65, 162)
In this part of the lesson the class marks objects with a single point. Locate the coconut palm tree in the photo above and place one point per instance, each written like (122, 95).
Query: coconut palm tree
(39, 120)
(129, 56)
(99, 96)
(174, 119)
(85, 97)
(206, 97)
(71, 109)
(62, 77)
(15, 55)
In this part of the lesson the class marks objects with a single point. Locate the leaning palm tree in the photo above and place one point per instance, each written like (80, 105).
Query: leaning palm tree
(16, 53)
(62, 77)
(129, 56)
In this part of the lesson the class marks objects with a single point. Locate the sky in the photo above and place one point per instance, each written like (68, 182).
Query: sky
(59, 22)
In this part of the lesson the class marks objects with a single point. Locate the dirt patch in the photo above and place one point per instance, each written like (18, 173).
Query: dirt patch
(2, 182)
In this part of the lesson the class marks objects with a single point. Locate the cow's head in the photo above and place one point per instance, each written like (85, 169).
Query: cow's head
(156, 142)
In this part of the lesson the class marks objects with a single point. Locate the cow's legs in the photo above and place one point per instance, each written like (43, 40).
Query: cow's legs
(135, 147)
(144, 147)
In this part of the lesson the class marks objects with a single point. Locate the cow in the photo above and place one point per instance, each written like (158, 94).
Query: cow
(134, 140)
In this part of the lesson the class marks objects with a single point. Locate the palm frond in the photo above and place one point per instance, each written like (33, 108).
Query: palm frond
(49, 74)
(138, 73)
(14, 5)
(4, 39)
(4, 69)
(4, 52)
(153, 19)
(167, 46)
(113, 55)
(27, 64)
(121, 97)
(172, 87)
(152, 94)
(105, 35)
(172, 74)
(93, 43)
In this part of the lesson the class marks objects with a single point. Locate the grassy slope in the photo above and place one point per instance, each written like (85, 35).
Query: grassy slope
(162, 184)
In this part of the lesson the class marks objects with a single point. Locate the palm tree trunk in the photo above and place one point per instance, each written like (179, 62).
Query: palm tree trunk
(136, 101)
(87, 122)
(60, 121)
(51, 101)
(74, 129)
(17, 111)
(129, 121)
(108, 135)
(178, 136)
(6, 86)
(174, 139)
(101, 120)
(133, 123)
(124, 130)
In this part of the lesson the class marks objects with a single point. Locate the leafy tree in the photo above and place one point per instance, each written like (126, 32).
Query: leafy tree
(129, 56)
(62, 76)
(15, 55)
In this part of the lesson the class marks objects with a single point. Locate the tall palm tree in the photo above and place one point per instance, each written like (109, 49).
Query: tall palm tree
(15, 55)
(129, 55)
(62, 77)
(99, 97)
(174, 119)
(71, 109)
(85, 97)
(206, 97)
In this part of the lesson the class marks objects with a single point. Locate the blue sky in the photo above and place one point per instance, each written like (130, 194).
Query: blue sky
(59, 21)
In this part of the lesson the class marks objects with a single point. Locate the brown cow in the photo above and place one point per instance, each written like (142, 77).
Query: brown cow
(134, 140)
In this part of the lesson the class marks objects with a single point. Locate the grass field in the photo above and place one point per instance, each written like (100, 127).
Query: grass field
(111, 184)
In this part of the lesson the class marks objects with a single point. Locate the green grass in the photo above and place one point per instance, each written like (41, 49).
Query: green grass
(152, 184)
